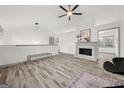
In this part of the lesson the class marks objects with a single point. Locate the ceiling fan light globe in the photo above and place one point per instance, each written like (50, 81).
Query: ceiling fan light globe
(69, 13)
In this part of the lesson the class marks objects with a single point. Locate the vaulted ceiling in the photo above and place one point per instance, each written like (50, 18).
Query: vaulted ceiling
(47, 15)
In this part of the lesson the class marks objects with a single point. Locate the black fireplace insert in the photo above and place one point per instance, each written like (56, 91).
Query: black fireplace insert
(85, 51)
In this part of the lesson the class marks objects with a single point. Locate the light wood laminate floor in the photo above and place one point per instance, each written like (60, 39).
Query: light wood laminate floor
(55, 72)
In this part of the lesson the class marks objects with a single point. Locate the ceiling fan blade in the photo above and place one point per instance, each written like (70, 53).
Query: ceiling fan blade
(77, 13)
(74, 7)
(62, 15)
(69, 18)
(69, 7)
(63, 8)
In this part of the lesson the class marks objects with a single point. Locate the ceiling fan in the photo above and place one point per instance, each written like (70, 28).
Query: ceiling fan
(69, 11)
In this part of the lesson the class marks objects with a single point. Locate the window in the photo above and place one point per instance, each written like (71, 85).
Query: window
(106, 41)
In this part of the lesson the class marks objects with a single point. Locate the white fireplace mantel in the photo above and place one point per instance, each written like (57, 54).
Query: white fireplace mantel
(87, 45)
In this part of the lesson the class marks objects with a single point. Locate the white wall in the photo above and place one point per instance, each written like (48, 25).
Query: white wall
(10, 54)
(122, 39)
(67, 40)
(23, 35)
(19, 35)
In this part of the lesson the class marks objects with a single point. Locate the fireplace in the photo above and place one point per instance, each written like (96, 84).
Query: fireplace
(85, 51)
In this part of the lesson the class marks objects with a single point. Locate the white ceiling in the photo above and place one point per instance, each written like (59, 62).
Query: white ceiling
(47, 15)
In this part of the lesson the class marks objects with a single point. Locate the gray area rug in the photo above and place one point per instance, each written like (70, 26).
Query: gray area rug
(88, 80)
